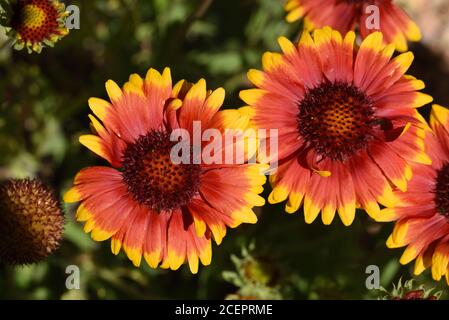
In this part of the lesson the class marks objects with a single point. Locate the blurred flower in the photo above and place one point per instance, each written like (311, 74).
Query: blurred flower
(408, 291)
(423, 211)
(31, 221)
(253, 276)
(33, 24)
(346, 15)
(152, 207)
(347, 121)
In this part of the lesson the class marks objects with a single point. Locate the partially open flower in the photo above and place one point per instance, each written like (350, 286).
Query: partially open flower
(31, 222)
(33, 24)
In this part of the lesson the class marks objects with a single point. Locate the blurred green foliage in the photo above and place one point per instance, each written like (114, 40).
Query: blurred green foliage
(43, 110)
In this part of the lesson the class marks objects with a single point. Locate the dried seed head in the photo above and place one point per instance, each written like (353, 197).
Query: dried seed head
(31, 222)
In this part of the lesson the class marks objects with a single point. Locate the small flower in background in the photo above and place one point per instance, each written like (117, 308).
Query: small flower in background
(409, 291)
(346, 15)
(253, 277)
(423, 211)
(347, 121)
(34, 24)
(31, 222)
(148, 205)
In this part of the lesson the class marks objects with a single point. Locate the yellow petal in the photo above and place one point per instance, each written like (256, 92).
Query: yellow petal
(193, 263)
(94, 144)
(388, 198)
(101, 235)
(72, 195)
(197, 92)
(386, 215)
(99, 107)
(136, 80)
(322, 36)
(286, 45)
(245, 215)
(439, 114)
(295, 14)
(256, 77)
(174, 260)
(89, 226)
(116, 245)
(311, 210)
(306, 40)
(322, 173)
(400, 42)
(82, 214)
(131, 88)
(350, 38)
(166, 78)
(278, 195)
(419, 265)
(413, 32)
(440, 263)
(96, 124)
(206, 255)
(251, 96)
(134, 254)
(177, 88)
(399, 233)
(422, 99)
(216, 99)
(254, 199)
(388, 51)
(328, 214)
(153, 77)
(218, 232)
(373, 209)
(347, 214)
(373, 42)
(391, 244)
(113, 90)
(294, 202)
(200, 226)
(175, 104)
(415, 83)
(404, 61)
(153, 258)
(290, 5)
(409, 255)
(271, 61)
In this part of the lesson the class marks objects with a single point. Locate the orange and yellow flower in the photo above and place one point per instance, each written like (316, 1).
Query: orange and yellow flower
(422, 214)
(33, 24)
(346, 15)
(151, 207)
(347, 123)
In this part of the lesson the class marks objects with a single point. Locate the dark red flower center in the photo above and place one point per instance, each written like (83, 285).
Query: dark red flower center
(152, 177)
(31, 221)
(34, 20)
(336, 120)
(442, 191)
